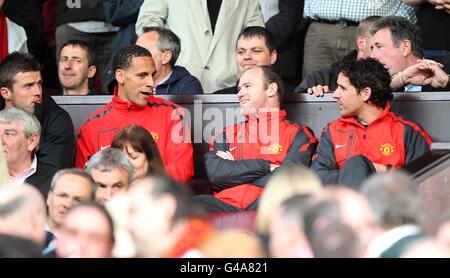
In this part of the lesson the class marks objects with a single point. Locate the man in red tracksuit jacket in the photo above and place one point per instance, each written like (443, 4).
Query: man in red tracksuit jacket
(243, 158)
(133, 103)
(368, 137)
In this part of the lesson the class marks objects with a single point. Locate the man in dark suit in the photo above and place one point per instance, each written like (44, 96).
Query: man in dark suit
(20, 133)
(21, 87)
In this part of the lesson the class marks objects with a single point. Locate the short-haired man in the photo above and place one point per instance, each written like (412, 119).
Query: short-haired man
(397, 44)
(163, 219)
(133, 103)
(21, 87)
(368, 137)
(20, 132)
(255, 46)
(87, 232)
(244, 156)
(22, 212)
(165, 47)
(112, 172)
(76, 66)
(69, 187)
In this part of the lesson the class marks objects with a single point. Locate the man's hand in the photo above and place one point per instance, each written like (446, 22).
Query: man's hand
(273, 166)
(318, 90)
(441, 5)
(380, 168)
(426, 72)
(225, 155)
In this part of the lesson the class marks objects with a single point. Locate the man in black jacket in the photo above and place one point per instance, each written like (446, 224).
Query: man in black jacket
(20, 132)
(21, 87)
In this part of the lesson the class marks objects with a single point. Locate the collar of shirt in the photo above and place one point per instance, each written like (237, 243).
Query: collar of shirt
(20, 179)
(164, 80)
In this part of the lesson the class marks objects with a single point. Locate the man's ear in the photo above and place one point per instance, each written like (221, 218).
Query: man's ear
(272, 89)
(120, 76)
(6, 93)
(91, 71)
(166, 57)
(273, 57)
(366, 93)
(406, 47)
(33, 142)
(361, 43)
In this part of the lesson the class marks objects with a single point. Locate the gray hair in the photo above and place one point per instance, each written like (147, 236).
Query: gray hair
(76, 172)
(168, 41)
(28, 121)
(393, 197)
(109, 159)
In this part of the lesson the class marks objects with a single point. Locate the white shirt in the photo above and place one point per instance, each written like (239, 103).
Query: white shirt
(20, 178)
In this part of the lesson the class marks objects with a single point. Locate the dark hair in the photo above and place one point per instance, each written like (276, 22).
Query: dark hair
(13, 64)
(141, 141)
(369, 73)
(260, 32)
(271, 76)
(124, 57)
(186, 207)
(168, 41)
(84, 45)
(401, 29)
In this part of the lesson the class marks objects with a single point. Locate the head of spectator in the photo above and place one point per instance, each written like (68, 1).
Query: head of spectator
(69, 187)
(363, 89)
(393, 198)
(134, 70)
(165, 47)
(141, 149)
(22, 212)
(426, 248)
(20, 132)
(286, 183)
(336, 240)
(396, 43)
(255, 46)
(112, 173)
(3, 165)
(363, 37)
(260, 90)
(163, 218)
(87, 232)
(21, 81)
(76, 66)
(287, 237)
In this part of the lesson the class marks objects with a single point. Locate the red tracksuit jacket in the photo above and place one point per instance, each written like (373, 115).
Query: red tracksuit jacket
(159, 117)
(241, 181)
(389, 140)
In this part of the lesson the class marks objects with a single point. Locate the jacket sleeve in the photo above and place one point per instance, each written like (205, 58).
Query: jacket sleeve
(58, 146)
(178, 150)
(253, 16)
(84, 148)
(224, 173)
(300, 153)
(193, 86)
(284, 24)
(121, 12)
(322, 77)
(152, 13)
(324, 161)
(417, 143)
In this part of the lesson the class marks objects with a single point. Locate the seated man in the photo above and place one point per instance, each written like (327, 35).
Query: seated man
(133, 103)
(87, 232)
(22, 212)
(255, 46)
(21, 87)
(112, 172)
(397, 44)
(244, 156)
(76, 66)
(368, 137)
(324, 81)
(164, 221)
(20, 132)
(165, 47)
